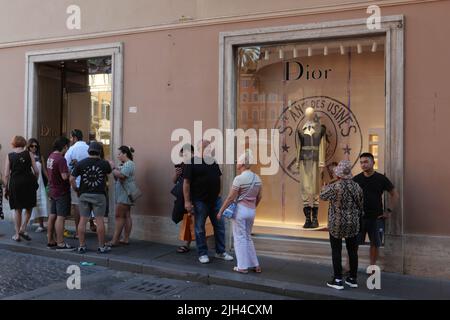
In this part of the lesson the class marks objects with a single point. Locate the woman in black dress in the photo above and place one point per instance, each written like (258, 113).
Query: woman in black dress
(21, 175)
(2, 217)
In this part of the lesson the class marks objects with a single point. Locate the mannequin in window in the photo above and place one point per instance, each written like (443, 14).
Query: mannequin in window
(310, 160)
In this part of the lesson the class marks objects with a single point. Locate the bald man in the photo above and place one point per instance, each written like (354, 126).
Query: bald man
(201, 188)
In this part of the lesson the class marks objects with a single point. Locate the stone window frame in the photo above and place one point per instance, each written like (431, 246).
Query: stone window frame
(114, 50)
(392, 27)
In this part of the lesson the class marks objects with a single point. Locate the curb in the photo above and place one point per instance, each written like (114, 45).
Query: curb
(196, 274)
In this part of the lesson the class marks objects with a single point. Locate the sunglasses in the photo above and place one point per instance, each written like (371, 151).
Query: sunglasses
(33, 146)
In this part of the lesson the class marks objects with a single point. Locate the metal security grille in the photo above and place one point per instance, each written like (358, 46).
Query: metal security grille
(153, 288)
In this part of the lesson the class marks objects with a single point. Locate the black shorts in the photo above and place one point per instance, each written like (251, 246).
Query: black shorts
(61, 206)
(371, 226)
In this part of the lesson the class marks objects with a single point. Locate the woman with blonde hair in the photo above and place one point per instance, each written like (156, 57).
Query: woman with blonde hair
(247, 192)
(21, 175)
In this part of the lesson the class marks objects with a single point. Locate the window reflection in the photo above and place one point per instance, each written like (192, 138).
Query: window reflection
(100, 81)
(344, 79)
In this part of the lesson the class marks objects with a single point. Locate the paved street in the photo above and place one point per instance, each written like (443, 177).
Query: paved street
(33, 267)
(25, 276)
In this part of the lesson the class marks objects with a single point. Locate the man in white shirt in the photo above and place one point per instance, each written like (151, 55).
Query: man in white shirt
(77, 152)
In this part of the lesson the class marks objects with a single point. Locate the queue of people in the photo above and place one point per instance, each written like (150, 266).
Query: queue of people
(76, 176)
(355, 210)
(72, 180)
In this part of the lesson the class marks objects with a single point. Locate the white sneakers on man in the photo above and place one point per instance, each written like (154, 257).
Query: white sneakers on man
(40, 229)
(203, 259)
(224, 256)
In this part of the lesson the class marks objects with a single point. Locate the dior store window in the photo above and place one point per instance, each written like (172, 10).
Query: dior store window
(327, 99)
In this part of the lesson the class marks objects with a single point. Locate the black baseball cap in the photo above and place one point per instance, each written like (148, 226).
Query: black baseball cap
(95, 147)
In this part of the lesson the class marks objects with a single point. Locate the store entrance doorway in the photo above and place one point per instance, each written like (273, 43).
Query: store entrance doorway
(74, 94)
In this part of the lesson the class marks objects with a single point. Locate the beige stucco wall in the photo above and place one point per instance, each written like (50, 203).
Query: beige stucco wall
(26, 20)
(187, 58)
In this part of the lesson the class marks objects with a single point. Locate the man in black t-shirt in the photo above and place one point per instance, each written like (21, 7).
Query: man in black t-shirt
(201, 188)
(373, 184)
(92, 192)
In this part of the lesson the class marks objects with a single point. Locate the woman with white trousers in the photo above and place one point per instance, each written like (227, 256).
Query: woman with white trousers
(247, 190)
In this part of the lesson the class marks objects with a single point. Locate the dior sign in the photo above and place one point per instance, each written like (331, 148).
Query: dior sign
(47, 131)
(294, 70)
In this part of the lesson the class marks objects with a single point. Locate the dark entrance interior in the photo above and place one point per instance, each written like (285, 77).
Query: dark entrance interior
(74, 94)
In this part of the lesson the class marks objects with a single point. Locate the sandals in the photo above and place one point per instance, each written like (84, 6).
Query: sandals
(256, 269)
(125, 243)
(183, 249)
(16, 238)
(111, 244)
(236, 269)
(25, 236)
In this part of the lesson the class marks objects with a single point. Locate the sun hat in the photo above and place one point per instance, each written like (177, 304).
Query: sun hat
(344, 170)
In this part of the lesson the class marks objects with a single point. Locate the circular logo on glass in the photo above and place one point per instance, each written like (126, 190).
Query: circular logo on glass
(343, 133)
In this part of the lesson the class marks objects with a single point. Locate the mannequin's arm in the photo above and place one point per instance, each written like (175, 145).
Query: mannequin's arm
(297, 163)
(322, 151)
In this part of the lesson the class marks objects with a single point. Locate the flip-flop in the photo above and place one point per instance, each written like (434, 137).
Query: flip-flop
(25, 236)
(235, 269)
(124, 243)
(256, 269)
(111, 245)
(183, 249)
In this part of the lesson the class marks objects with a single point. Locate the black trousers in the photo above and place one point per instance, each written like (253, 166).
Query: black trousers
(336, 251)
(1, 202)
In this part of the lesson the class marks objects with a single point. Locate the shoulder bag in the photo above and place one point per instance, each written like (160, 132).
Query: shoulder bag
(230, 211)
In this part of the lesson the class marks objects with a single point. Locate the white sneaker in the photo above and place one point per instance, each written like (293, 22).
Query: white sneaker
(224, 256)
(203, 259)
(40, 229)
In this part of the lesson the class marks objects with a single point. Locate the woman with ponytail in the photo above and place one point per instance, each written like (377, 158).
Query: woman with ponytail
(125, 182)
